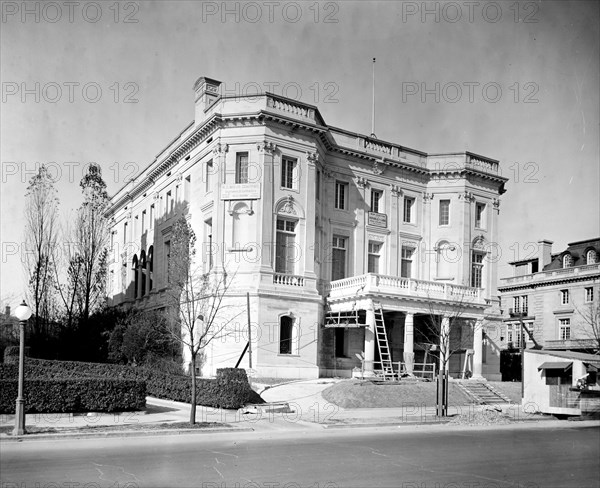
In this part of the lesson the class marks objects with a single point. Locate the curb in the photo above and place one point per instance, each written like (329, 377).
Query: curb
(121, 433)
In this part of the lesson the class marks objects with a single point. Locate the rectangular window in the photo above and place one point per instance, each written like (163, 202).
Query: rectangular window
(285, 249)
(589, 294)
(208, 242)
(143, 222)
(208, 171)
(564, 329)
(151, 216)
(444, 212)
(338, 258)
(168, 261)
(479, 215)
(476, 269)
(520, 304)
(515, 335)
(241, 167)
(341, 195)
(187, 188)
(169, 201)
(124, 234)
(406, 262)
(373, 261)
(318, 185)
(408, 209)
(341, 342)
(564, 297)
(288, 172)
(376, 196)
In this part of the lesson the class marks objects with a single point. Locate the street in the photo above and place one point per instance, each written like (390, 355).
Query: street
(417, 457)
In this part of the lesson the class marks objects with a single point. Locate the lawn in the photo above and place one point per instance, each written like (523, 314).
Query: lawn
(364, 394)
(510, 389)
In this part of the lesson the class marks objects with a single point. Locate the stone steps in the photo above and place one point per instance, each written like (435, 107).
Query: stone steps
(483, 393)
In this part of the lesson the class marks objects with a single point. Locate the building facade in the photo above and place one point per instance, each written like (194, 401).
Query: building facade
(336, 236)
(555, 297)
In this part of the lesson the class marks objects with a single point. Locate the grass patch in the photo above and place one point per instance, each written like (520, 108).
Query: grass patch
(8, 429)
(364, 394)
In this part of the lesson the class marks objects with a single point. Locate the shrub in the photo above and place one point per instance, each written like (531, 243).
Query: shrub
(74, 395)
(229, 390)
(232, 387)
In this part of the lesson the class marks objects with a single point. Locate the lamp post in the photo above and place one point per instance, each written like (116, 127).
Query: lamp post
(22, 312)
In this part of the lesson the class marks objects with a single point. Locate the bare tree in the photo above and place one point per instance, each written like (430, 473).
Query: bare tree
(195, 301)
(41, 231)
(91, 237)
(450, 330)
(590, 322)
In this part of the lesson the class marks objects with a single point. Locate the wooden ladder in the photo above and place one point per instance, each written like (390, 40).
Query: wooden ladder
(382, 344)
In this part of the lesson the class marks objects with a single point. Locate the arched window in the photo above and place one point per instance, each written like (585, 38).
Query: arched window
(591, 257)
(150, 265)
(134, 267)
(567, 261)
(286, 333)
(142, 272)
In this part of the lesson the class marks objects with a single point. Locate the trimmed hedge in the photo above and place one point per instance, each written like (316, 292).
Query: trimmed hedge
(74, 395)
(229, 390)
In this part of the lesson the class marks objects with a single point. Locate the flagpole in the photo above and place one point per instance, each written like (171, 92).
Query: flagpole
(373, 107)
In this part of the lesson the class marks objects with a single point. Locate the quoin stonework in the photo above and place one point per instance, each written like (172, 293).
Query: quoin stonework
(348, 245)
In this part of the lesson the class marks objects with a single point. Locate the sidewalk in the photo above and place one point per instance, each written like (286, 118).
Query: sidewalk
(308, 411)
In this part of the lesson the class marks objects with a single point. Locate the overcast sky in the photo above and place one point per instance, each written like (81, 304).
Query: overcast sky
(112, 83)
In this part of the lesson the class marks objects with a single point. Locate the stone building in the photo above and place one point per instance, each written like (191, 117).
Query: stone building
(338, 237)
(555, 297)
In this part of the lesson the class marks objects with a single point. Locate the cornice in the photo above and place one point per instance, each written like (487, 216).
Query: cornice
(550, 282)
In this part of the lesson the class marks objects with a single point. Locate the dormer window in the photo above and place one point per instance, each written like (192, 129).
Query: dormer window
(591, 257)
(567, 261)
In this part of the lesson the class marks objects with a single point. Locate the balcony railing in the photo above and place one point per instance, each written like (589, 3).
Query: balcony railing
(288, 279)
(518, 312)
(376, 283)
(588, 269)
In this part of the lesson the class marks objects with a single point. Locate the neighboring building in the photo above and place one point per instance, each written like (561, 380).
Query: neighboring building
(322, 227)
(561, 382)
(556, 296)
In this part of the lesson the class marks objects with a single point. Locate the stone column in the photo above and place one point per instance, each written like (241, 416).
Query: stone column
(370, 341)
(478, 349)
(266, 155)
(445, 342)
(218, 221)
(409, 354)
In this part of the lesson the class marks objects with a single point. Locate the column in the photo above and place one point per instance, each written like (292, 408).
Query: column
(218, 221)
(478, 349)
(265, 237)
(370, 341)
(409, 354)
(445, 343)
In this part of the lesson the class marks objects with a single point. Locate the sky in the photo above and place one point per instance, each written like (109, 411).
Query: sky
(111, 82)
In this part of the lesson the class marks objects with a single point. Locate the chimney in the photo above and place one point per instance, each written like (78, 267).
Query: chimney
(7, 311)
(207, 93)
(544, 253)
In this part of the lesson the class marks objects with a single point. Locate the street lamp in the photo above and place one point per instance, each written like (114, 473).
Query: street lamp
(22, 312)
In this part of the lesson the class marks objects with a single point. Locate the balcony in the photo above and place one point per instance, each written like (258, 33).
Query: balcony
(376, 284)
(288, 279)
(518, 312)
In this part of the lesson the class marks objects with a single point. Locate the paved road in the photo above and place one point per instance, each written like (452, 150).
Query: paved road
(409, 457)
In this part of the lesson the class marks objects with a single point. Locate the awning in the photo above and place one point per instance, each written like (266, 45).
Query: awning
(592, 365)
(562, 365)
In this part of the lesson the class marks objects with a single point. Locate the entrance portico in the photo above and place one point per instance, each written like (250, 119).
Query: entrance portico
(419, 317)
